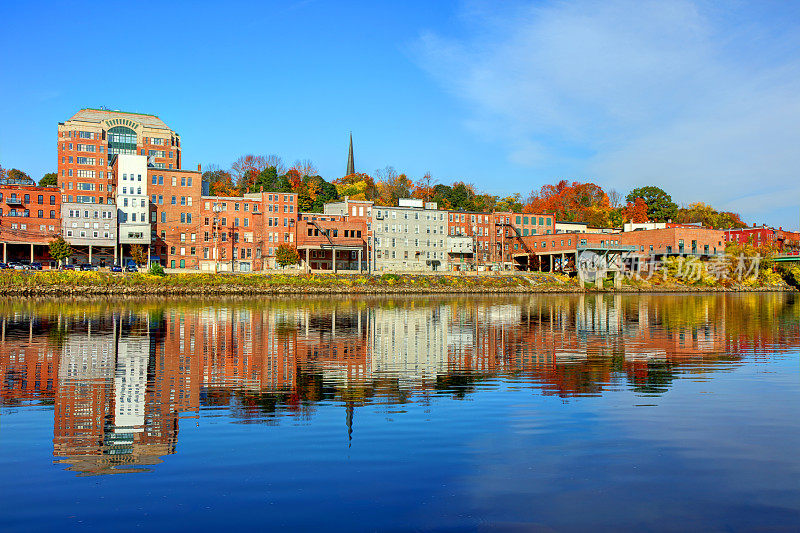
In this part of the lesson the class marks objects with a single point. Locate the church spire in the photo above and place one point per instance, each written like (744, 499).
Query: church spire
(351, 165)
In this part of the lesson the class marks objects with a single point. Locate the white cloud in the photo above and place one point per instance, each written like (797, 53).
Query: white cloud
(700, 101)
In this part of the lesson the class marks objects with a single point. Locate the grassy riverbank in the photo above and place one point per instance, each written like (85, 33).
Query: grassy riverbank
(15, 283)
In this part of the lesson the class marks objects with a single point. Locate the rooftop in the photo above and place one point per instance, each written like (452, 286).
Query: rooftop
(99, 115)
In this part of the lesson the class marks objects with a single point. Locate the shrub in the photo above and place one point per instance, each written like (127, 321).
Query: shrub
(157, 270)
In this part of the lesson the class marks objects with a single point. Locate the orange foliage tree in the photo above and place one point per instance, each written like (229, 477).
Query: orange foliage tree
(246, 169)
(392, 186)
(573, 202)
(635, 211)
(424, 188)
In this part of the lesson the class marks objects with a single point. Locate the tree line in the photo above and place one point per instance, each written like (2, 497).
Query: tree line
(570, 201)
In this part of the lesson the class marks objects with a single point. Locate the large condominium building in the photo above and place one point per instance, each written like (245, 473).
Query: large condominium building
(412, 236)
(89, 140)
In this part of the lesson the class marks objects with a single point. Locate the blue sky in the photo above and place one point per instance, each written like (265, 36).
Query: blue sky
(700, 98)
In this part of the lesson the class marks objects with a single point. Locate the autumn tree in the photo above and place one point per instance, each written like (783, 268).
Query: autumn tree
(49, 180)
(392, 186)
(18, 176)
(138, 254)
(709, 217)
(511, 203)
(572, 202)
(220, 182)
(286, 255)
(423, 188)
(305, 167)
(660, 206)
(357, 187)
(319, 192)
(246, 169)
(635, 211)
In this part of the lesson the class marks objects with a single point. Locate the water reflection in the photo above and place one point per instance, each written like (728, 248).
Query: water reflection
(122, 375)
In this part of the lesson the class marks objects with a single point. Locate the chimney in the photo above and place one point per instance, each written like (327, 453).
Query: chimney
(754, 224)
(198, 167)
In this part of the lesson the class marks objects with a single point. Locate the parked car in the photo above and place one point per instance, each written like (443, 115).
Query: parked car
(35, 266)
(116, 268)
(68, 267)
(3, 266)
(88, 267)
(131, 268)
(18, 266)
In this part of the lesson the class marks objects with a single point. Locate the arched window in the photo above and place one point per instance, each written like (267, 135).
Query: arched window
(121, 140)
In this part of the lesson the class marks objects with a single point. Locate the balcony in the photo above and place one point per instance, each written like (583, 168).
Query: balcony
(13, 200)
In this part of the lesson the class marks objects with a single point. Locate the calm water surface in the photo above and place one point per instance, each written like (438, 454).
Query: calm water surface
(565, 413)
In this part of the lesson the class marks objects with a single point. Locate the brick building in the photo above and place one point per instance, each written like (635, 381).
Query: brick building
(321, 238)
(757, 236)
(242, 234)
(560, 251)
(88, 141)
(30, 217)
(175, 217)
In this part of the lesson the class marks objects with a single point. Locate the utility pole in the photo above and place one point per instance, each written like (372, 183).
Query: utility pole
(217, 209)
(475, 249)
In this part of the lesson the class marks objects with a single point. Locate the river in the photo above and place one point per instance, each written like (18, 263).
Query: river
(529, 412)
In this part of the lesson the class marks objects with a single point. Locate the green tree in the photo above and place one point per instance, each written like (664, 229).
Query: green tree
(660, 207)
(269, 180)
(60, 249)
(511, 203)
(286, 255)
(49, 180)
(319, 193)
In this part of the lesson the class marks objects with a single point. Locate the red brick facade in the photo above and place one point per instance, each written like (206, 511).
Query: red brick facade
(87, 140)
(30, 217)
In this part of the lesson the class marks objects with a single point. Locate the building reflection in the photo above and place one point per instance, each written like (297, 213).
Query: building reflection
(120, 379)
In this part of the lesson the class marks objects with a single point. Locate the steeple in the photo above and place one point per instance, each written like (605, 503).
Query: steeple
(351, 165)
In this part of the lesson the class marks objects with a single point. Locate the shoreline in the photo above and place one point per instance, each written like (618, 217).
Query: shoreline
(70, 284)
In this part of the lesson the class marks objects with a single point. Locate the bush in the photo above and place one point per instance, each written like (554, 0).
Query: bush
(157, 270)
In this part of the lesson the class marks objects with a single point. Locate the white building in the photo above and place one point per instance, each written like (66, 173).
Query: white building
(634, 226)
(133, 204)
(411, 237)
(410, 344)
